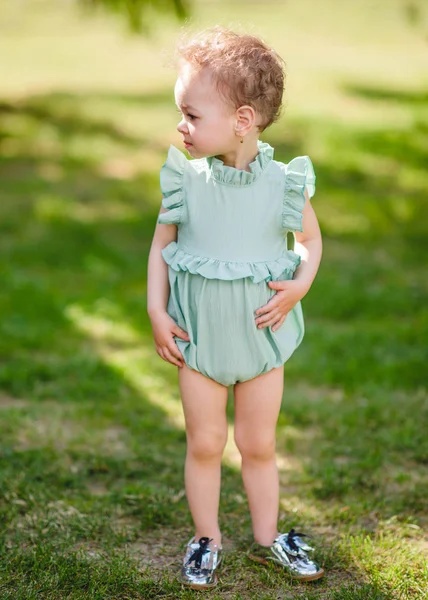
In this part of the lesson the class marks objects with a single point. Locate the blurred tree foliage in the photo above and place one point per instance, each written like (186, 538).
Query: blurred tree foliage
(416, 15)
(139, 13)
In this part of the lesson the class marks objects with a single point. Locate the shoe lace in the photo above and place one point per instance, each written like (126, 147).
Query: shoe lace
(291, 536)
(199, 552)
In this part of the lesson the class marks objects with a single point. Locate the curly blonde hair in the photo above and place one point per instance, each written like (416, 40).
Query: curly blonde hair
(244, 69)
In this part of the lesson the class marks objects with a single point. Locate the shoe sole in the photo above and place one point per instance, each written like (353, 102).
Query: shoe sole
(202, 586)
(265, 562)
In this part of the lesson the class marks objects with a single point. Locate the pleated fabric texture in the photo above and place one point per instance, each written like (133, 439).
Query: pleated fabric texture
(231, 241)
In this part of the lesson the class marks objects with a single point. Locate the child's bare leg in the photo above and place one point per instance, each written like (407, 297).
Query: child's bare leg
(257, 405)
(204, 403)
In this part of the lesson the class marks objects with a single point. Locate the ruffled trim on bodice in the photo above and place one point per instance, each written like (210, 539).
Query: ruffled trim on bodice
(171, 182)
(212, 268)
(298, 176)
(173, 172)
(239, 178)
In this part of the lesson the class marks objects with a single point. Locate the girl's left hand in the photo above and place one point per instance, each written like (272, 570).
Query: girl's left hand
(274, 313)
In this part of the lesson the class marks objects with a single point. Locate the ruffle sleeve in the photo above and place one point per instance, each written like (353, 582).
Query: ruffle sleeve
(171, 183)
(299, 175)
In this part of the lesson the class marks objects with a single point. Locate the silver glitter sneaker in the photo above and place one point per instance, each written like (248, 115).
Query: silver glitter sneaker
(200, 564)
(294, 538)
(287, 552)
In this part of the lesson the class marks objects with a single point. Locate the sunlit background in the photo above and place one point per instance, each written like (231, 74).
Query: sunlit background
(91, 432)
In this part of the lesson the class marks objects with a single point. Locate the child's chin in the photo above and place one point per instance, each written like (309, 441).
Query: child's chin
(193, 152)
(196, 153)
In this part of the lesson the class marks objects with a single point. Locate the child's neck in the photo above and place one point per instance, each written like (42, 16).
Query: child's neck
(241, 156)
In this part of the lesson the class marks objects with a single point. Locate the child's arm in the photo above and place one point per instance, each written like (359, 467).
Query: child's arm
(164, 327)
(309, 247)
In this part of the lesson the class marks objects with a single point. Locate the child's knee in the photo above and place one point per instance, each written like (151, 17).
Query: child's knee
(206, 445)
(260, 447)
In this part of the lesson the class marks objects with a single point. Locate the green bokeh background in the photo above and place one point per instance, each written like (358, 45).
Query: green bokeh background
(91, 434)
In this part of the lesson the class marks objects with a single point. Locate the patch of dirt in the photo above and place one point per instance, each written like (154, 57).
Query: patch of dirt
(7, 402)
(154, 554)
(112, 438)
(126, 525)
(96, 489)
(319, 393)
(163, 550)
(287, 463)
(89, 549)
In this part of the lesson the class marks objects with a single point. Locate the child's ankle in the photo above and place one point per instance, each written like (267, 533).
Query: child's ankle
(265, 540)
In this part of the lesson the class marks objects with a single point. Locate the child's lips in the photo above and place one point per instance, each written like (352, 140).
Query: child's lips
(187, 144)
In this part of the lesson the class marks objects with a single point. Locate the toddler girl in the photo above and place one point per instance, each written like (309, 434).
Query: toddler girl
(224, 289)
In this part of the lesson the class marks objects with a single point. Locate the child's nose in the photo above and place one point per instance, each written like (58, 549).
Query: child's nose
(182, 127)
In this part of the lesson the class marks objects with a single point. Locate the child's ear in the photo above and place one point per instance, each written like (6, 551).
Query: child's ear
(245, 119)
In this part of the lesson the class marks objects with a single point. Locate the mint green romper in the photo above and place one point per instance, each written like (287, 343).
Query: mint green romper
(231, 242)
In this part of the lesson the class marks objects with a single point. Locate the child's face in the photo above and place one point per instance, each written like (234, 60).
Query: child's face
(208, 122)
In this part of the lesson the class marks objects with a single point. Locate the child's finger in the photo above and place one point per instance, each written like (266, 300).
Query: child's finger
(267, 316)
(279, 285)
(267, 307)
(268, 322)
(181, 333)
(170, 358)
(278, 324)
(174, 350)
(161, 352)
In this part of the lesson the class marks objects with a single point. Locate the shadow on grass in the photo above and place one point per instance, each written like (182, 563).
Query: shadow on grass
(65, 113)
(92, 458)
(397, 96)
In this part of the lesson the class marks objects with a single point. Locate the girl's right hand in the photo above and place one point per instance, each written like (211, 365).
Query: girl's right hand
(164, 330)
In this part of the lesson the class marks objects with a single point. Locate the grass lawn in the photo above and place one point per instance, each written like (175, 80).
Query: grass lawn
(92, 440)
